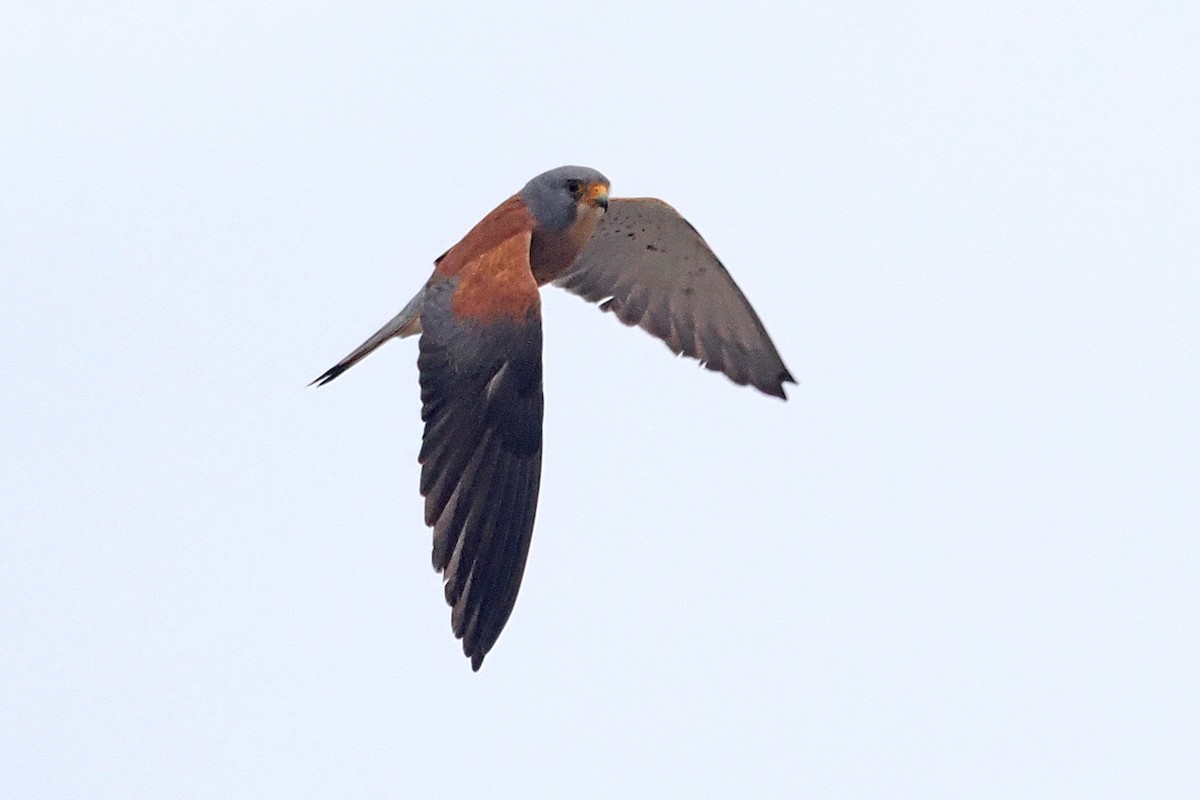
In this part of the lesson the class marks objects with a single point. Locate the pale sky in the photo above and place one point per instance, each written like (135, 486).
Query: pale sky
(961, 561)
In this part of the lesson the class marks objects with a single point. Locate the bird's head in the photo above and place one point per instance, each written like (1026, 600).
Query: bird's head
(561, 196)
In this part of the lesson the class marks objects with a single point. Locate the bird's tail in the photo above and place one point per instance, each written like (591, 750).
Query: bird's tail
(406, 323)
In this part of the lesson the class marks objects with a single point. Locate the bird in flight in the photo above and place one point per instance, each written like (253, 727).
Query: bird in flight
(480, 361)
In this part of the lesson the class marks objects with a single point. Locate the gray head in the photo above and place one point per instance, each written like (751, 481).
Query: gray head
(555, 197)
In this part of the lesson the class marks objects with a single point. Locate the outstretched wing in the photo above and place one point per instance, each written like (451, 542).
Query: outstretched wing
(650, 267)
(481, 456)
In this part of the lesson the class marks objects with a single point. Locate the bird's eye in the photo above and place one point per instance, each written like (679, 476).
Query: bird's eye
(573, 187)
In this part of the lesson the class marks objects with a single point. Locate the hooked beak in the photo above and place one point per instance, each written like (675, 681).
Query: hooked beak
(597, 195)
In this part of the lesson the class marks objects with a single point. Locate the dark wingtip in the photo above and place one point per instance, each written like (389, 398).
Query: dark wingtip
(774, 390)
(476, 662)
(329, 375)
(784, 377)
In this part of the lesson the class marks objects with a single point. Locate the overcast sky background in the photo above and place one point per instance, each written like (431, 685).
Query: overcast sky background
(961, 561)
